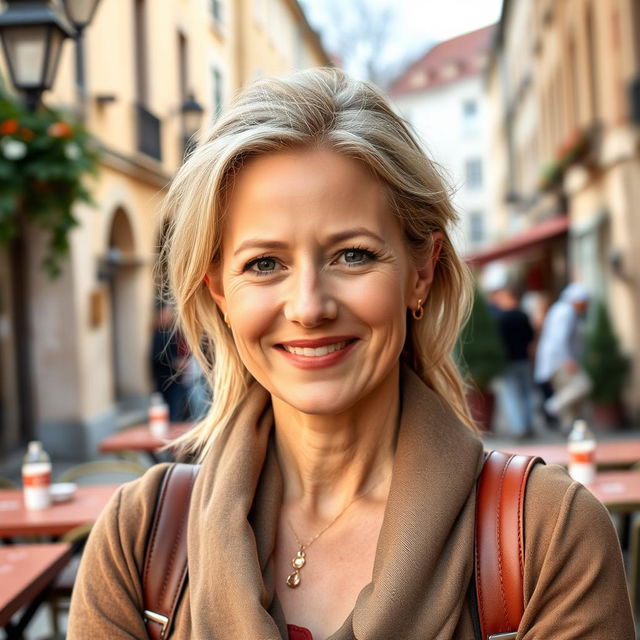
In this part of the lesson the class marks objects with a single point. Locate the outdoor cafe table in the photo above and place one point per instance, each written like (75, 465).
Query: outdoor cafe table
(25, 572)
(56, 520)
(619, 491)
(140, 439)
(610, 454)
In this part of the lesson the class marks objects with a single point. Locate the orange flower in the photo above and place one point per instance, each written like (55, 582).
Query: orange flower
(7, 127)
(27, 134)
(60, 130)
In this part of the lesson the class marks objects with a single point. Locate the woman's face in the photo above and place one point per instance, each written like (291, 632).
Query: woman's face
(316, 278)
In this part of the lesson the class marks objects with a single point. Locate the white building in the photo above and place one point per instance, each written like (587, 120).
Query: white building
(442, 95)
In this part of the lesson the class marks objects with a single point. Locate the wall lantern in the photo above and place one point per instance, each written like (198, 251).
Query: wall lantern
(192, 113)
(80, 12)
(32, 34)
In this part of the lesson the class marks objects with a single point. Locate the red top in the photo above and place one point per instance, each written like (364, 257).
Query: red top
(298, 633)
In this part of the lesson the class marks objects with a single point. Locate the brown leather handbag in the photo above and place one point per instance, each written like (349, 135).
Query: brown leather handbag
(499, 547)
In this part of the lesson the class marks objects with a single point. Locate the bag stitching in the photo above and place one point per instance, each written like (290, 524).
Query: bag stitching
(184, 521)
(499, 542)
(156, 524)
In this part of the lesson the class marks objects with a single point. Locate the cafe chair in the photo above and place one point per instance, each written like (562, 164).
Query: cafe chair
(59, 596)
(103, 471)
(5, 483)
(97, 472)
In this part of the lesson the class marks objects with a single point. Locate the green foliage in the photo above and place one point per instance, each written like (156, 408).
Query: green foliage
(604, 362)
(479, 351)
(44, 159)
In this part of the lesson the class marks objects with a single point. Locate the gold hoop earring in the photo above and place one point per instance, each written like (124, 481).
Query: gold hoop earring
(226, 320)
(418, 312)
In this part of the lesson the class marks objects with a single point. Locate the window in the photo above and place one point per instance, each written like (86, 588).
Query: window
(474, 173)
(217, 95)
(216, 10)
(469, 109)
(470, 118)
(476, 227)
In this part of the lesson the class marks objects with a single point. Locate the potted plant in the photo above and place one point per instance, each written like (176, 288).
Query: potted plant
(607, 367)
(481, 357)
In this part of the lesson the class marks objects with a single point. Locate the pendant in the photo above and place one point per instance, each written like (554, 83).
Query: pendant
(297, 562)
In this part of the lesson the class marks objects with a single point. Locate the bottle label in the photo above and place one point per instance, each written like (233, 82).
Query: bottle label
(37, 480)
(582, 457)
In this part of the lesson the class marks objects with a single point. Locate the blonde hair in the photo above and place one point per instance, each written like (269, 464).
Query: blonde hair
(318, 107)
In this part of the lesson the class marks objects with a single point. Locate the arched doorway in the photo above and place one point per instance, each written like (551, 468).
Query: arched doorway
(122, 266)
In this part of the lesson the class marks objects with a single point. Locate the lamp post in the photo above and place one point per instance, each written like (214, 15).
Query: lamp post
(80, 13)
(32, 34)
(191, 121)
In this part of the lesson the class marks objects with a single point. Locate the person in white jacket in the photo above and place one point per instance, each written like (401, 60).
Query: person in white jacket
(559, 353)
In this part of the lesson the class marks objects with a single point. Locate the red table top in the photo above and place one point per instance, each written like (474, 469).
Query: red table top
(55, 520)
(139, 438)
(617, 490)
(609, 453)
(25, 570)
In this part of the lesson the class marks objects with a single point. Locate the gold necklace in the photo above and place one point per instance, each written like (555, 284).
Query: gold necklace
(300, 559)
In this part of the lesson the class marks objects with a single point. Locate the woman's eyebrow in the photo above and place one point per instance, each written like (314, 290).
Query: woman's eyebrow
(352, 233)
(260, 243)
(340, 236)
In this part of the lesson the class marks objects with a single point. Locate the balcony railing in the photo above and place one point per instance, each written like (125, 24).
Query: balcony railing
(149, 133)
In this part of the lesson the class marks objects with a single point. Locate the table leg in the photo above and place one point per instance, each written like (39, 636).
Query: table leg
(16, 631)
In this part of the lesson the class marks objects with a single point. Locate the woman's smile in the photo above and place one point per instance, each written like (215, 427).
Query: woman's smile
(324, 352)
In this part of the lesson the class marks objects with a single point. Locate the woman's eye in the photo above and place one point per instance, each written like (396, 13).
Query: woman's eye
(262, 266)
(357, 256)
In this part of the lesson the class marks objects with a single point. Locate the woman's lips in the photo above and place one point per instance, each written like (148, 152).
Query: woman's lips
(311, 354)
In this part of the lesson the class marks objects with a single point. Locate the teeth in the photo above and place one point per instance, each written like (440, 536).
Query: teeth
(315, 352)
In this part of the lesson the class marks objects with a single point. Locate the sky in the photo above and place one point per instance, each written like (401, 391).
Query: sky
(415, 25)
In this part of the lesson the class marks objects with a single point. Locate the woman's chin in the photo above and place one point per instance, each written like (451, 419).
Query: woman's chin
(321, 400)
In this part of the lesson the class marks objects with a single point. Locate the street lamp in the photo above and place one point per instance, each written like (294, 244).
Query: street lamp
(32, 34)
(80, 13)
(192, 113)
(191, 121)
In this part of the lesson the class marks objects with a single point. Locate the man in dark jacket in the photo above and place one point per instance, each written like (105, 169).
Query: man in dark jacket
(515, 385)
(168, 361)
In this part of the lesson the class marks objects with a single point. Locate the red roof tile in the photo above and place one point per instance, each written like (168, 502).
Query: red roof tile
(446, 62)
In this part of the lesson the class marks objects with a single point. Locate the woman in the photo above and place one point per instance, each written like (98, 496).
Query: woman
(309, 244)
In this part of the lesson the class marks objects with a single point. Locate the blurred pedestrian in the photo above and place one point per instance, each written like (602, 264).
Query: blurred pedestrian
(169, 358)
(559, 354)
(514, 387)
(198, 391)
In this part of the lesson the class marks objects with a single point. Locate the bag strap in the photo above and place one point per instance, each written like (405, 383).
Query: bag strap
(499, 543)
(165, 563)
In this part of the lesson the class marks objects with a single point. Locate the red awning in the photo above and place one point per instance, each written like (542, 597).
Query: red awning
(527, 239)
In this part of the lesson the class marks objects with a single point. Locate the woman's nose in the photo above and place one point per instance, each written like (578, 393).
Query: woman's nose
(310, 301)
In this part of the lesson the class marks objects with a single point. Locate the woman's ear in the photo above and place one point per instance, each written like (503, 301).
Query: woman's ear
(426, 269)
(213, 281)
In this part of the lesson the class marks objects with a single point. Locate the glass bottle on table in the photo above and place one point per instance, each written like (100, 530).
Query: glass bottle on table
(36, 477)
(581, 444)
(158, 416)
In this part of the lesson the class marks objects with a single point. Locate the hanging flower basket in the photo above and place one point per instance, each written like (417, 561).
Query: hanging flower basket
(44, 160)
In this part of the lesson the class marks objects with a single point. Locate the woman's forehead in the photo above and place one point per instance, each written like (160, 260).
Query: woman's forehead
(305, 188)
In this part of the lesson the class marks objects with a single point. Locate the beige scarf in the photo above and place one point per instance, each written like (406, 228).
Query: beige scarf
(424, 558)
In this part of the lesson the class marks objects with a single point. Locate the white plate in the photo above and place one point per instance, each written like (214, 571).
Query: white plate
(62, 491)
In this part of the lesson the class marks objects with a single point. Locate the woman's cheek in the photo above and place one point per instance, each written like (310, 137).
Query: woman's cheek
(252, 314)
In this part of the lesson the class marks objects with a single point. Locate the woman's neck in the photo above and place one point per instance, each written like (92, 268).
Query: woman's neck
(329, 460)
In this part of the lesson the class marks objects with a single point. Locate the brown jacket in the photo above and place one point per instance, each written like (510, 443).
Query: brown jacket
(574, 579)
